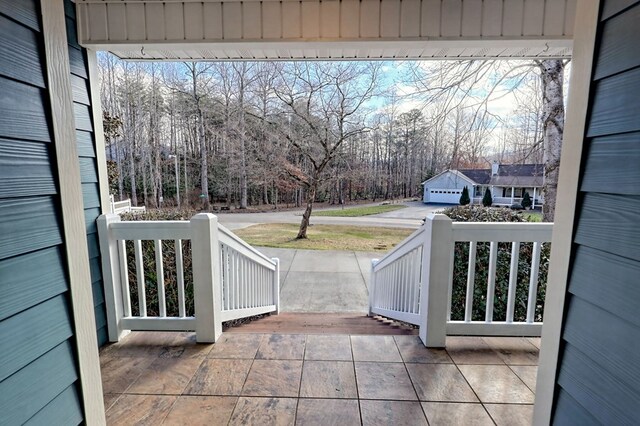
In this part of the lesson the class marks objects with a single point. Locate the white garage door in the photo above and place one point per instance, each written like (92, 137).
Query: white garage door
(445, 196)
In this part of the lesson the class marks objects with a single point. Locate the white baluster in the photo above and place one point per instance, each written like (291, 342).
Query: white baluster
(513, 280)
(182, 311)
(471, 278)
(533, 282)
(491, 280)
(162, 301)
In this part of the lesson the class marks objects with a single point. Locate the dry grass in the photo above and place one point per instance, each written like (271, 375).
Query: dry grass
(324, 237)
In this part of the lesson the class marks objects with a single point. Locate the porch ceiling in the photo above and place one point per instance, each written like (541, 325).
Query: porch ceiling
(328, 29)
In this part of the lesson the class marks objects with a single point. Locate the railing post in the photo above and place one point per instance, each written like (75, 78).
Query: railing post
(435, 280)
(372, 285)
(111, 276)
(207, 280)
(276, 286)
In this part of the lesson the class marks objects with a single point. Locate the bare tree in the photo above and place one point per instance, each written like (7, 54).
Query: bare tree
(324, 100)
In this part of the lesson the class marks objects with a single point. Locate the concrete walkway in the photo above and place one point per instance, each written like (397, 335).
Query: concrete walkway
(323, 280)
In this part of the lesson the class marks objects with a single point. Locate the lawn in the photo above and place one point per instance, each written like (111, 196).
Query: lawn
(532, 216)
(324, 237)
(359, 211)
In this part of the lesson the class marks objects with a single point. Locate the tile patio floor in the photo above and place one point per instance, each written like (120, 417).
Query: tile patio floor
(286, 379)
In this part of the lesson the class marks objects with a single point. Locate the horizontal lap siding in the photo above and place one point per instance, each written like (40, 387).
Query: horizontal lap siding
(38, 371)
(88, 167)
(599, 374)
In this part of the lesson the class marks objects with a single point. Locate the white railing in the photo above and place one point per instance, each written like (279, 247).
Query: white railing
(414, 282)
(124, 206)
(507, 201)
(250, 279)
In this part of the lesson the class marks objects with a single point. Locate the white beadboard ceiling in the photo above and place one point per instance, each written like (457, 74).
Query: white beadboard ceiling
(328, 29)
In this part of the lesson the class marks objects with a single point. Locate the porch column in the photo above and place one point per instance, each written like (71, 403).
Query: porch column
(56, 51)
(533, 201)
(512, 192)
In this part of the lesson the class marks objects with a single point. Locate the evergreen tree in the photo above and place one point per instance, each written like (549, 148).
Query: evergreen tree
(487, 200)
(526, 200)
(464, 198)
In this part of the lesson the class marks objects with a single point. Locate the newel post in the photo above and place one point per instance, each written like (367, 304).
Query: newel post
(372, 285)
(437, 263)
(276, 286)
(110, 258)
(207, 281)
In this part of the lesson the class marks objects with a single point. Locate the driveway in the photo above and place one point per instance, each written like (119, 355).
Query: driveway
(409, 217)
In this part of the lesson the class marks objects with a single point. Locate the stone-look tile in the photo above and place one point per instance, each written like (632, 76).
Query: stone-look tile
(511, 415)
(201, 410)
(118, 373)
(264, 411)
(109, 399)
(447, 413)
(166, 376)
(338, 412)
(184, 345)
(535, 341)
(236, 345)
(273, 378)
(413, 350)
(282, 346)
(471, 350)
(375, 349)
(219, 377)
(328, 348)
(140, 344)
(140, 410)
(377, 413)
(328, 379)
(497, 384)
(514, 350)
(440, 382)
(383, 381)
(528, 374)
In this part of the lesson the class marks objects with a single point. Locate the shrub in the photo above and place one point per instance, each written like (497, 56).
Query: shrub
(526, 200)
(487, 200)
(460, 269)
(464, 198)
(169, 266)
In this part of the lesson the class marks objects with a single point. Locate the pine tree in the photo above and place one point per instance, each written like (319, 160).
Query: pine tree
(464, 198)
(526, 200)
(487, 200)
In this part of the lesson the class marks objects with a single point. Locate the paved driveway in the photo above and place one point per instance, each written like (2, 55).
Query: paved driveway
(409, 217)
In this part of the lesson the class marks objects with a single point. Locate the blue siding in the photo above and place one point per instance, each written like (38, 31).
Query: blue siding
(599, 367)
(38, 369)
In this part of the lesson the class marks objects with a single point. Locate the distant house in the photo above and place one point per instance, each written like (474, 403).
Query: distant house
(507, 182)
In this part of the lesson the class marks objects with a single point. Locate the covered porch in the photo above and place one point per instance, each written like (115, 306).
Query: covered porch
(348, 379)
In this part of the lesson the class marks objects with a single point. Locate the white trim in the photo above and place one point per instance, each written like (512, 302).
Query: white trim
(75, 238)
(98, 131)
(455, 172)
(586, 25)
(494, 328)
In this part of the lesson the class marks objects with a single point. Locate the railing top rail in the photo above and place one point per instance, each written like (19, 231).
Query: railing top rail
(412, 242)
(224, 232)
(502, 231)
(152, 230)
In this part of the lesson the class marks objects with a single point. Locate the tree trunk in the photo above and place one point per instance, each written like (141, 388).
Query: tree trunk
(304, 224)
(551, 74)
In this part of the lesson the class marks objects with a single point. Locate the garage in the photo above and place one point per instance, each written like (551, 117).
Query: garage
(445, 196)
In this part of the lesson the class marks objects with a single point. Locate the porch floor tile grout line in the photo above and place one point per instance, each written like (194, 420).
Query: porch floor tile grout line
(235, 406)
(472, 389)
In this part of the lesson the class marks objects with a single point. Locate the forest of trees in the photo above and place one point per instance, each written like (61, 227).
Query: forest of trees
(287, 133)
